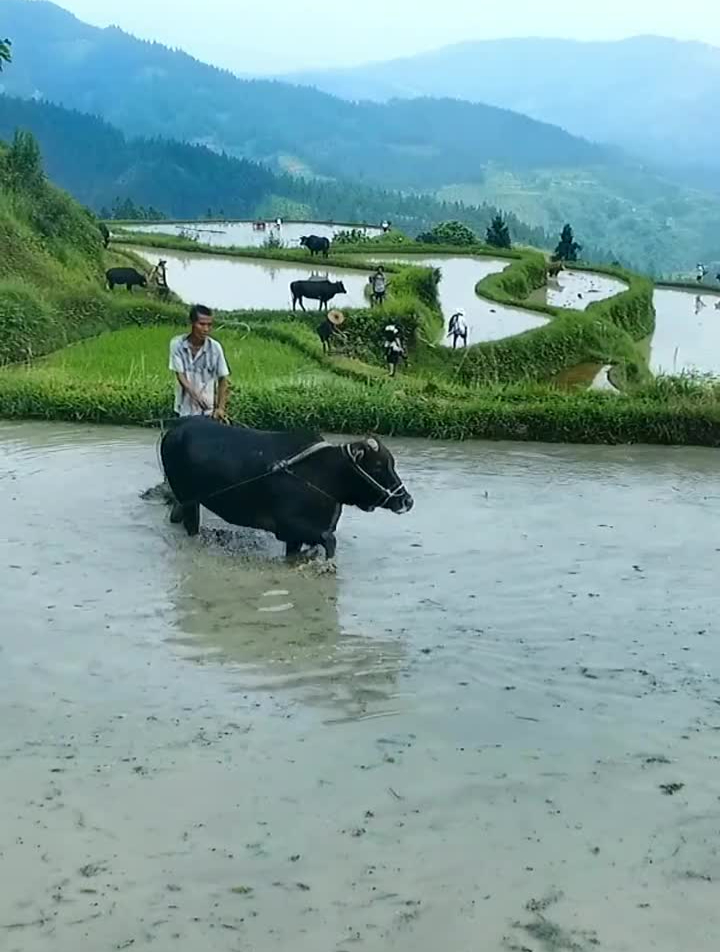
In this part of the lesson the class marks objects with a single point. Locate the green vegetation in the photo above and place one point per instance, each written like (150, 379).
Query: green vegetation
(498, 233)
(5, 53)
(126, 179)
(453, 234)
(567, 248)
(106, 355)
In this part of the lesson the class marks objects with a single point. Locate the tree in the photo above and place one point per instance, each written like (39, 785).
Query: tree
(568, 248)
(23, 162)
(449, 233)
(498, 233)
(5, 53)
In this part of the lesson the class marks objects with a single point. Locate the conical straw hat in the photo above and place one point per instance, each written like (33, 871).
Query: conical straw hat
(336, 317)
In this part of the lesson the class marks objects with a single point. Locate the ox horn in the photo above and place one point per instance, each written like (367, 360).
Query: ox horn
(373, 444)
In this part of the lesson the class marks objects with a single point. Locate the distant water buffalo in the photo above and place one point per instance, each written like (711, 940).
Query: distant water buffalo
(105, 232)
(554, 268)
(316, 245)
(293, 485)
(127, 276)
(322, 291)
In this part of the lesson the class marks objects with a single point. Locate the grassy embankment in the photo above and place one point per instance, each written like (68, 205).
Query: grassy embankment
(52, 301)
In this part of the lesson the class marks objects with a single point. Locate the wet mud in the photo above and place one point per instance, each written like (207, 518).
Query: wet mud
(465, 736)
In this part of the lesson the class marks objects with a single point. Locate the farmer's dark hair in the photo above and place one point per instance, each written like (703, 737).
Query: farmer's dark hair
(197, 311)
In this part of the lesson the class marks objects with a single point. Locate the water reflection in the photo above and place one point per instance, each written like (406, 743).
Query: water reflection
(246, 235)
(486, 320)
(239, 604)
(578, 289)
(237, 283)
(687, 332)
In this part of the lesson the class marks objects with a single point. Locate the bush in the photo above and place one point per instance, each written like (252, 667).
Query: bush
(452, 233)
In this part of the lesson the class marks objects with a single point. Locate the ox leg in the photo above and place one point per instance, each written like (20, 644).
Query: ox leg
(293, 550)
(177, 514)
(191, 518)
(329, 543)
(302, 305)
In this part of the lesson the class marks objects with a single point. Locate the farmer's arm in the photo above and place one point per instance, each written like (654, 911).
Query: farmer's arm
(192, 392)
(178, 367)
(223, 386)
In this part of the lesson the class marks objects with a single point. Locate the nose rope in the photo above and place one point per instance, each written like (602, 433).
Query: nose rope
(385, 493)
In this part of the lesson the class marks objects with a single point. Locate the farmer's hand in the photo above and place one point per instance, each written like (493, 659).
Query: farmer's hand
(219, 414)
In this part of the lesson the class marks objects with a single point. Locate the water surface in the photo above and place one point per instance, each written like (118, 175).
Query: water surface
(470, 730)
(687, 333)
(230, 283)
(244, 235)
(578, 289)
(460, 275)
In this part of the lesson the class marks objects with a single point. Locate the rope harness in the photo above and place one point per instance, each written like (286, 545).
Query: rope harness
(285, 466)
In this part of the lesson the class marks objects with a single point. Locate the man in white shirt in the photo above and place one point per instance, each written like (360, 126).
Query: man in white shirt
(199, 364)
(458, 328)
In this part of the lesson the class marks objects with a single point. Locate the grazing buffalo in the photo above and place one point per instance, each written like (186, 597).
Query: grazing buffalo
(322, 291)
(105, 232)
(127, 276)
(554, 268)
(293, 485)
(316, 245)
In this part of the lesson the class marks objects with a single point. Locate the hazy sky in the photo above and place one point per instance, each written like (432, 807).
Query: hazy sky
(275, 36)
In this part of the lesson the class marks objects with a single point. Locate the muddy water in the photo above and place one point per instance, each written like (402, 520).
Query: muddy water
(465, 732)
(486, 320)
(578, 289)
(237, 283)
(243, 235)
(687, 333)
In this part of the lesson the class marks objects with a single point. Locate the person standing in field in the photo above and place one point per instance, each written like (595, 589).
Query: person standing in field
(701, 272)
(394, 350)
(198, 362)
(458, 329)
(379, 286)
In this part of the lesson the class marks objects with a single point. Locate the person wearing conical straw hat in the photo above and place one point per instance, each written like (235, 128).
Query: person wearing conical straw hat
(331, 325)
(393, 346)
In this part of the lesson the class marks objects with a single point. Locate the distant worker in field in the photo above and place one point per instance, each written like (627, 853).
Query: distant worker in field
(198, 362)
(379, 286)
(158, 279)
(701, 272)
(458, 329)
(393, 346)
(329, 327)
(386, 226)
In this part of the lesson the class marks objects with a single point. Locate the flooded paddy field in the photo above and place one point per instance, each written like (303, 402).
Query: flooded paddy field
(496, 726)
(460, 275)
(244, 235)
(230, 283)
(687, 333)
(578, 289)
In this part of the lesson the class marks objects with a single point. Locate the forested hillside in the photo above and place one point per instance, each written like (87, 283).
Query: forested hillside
(95, 162)
(146, 89)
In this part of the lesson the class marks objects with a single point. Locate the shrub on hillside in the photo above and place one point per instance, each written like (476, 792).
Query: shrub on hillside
(452, 233)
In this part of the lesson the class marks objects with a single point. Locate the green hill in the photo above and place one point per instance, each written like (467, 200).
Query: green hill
(430, 146)
(98, 165)
(654, 96)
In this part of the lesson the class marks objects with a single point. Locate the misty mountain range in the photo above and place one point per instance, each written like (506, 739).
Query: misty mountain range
(443, 147)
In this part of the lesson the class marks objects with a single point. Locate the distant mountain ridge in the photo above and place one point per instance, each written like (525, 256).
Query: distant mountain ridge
(99, 165)
(653, 96)
(146, 89)
(342, 153)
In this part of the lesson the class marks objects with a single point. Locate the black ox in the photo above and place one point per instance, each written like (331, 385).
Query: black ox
(322, 291)
(127, 276)
(316, 245)
(293, 485)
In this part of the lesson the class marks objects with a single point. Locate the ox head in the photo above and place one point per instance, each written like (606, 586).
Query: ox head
(304, 241)
(340, 288)
(376, 483)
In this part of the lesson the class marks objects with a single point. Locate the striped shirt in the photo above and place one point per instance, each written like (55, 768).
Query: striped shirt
(203, 370)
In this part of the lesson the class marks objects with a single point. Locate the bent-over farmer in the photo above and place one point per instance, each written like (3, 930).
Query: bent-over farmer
(199, 364)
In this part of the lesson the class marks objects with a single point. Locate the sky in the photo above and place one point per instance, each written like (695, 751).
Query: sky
(277, 36)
